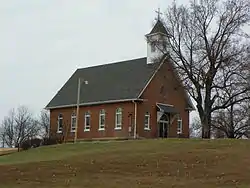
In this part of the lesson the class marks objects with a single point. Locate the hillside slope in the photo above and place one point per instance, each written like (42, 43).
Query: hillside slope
(144, 163)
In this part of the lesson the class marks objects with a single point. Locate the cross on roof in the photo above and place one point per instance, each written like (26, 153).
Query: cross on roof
(159, 13)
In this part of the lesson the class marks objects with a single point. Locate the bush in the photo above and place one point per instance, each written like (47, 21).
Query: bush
(25, 145)
(52, 140)
(49, 141)
(31, 143)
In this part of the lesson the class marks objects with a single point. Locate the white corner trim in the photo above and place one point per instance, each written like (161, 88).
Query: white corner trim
(158, 68)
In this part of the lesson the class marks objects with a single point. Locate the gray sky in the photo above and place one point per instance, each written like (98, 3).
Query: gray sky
(44, 41)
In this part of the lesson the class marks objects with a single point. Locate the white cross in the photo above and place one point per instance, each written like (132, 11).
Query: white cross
(159, 13)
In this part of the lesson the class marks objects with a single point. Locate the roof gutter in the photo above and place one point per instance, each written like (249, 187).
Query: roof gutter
(93, 103)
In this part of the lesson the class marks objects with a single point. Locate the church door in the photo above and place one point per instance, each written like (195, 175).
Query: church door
(163, 129)
(163, 126)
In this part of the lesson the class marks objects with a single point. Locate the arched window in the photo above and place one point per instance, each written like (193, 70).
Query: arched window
(102, 120)
(87, 121)
(147, 121)
(179, 126)
(165, 117)
(118, 118)
(73, 122)
(60, 123)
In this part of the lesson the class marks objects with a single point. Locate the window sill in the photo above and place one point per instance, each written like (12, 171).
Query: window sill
(147, 129)
(101, 129)
(59, 132)
(118, 128)
(72, 131)
(179, 132)
(86, 130)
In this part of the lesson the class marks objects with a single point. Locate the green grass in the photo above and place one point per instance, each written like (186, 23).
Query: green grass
(142, 163)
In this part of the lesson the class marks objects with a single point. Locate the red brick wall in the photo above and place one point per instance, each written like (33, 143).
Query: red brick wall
(172, 93)
(127, 107)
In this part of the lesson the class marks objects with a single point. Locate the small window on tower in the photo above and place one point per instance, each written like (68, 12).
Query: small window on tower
(164, 45)
(153, 47)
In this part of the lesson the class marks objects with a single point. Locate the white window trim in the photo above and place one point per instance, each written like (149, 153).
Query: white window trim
(148, 125)
(72, 117)
(179, 129)
(102, 126)
(85, 117)
(118, 126)
(60, 117)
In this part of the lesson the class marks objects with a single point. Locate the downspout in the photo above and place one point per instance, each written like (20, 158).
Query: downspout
(135, 121)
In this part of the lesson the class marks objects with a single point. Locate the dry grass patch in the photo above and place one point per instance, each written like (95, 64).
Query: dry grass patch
(5, 151)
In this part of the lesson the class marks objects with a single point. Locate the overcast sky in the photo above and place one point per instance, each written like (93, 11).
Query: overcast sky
(44, 41)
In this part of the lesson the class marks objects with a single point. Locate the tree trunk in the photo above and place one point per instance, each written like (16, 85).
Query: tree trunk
(18, 147)
(205, 117)
(206, 126)
(230, 134)
(205, 131)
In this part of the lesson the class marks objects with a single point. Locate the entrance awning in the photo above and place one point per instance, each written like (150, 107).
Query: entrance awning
(166, 108)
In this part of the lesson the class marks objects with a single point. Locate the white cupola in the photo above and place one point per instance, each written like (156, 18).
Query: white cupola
(156, 42)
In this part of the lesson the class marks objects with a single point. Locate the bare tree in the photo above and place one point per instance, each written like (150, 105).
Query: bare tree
(195, 129)
(19, 126)
(44, 121)
(247, 133)
(26, 126)
(2, 139)
(207, 47)
(8, 129)
(233, 121)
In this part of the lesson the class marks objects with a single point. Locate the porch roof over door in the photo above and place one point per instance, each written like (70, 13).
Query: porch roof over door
(166, 108)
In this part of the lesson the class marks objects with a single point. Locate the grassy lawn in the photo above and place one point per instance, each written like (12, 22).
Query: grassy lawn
(142, 163)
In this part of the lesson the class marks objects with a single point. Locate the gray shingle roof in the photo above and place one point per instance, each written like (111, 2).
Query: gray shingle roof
(115, 81)
(158, 28)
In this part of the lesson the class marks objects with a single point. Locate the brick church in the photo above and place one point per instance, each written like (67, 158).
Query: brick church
(137, 98)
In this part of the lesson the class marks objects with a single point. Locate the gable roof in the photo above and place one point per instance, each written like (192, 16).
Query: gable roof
(158, 28)
(108, 83)
(116, 81)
